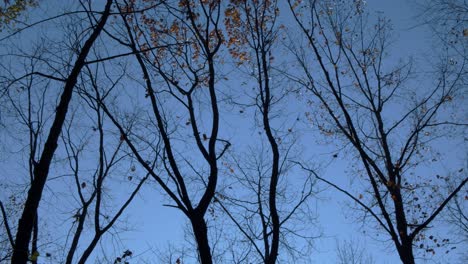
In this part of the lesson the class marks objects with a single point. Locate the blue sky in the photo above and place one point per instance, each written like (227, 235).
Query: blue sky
(153, 227)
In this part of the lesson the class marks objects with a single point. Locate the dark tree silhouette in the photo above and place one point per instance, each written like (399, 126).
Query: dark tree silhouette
(350, 79)
(41, 169)
(181, 51)
(257, 21)
(262, 212)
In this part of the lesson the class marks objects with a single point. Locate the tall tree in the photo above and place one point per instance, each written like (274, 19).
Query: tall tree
(253, 30)
(257, 19)
(29, 107)
(179, 52)
(389, 122)
(41, 169)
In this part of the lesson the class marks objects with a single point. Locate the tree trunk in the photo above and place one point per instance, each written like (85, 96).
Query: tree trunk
(90, 248)
(77, 235)
(406, 253)
(41, 171)
(201, 236)
(406, 249)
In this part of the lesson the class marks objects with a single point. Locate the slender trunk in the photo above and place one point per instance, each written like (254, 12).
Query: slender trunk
(405, 250)
(201, 236)
(76, 237)
(41, 171)
(90, 249)
(275, 232)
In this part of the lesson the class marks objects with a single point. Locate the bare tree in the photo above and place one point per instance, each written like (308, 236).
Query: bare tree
(28, 106)
(181, 51)
(387, 121)
(258, 20)
(261, 212)
(447, 21)
(42, 165)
